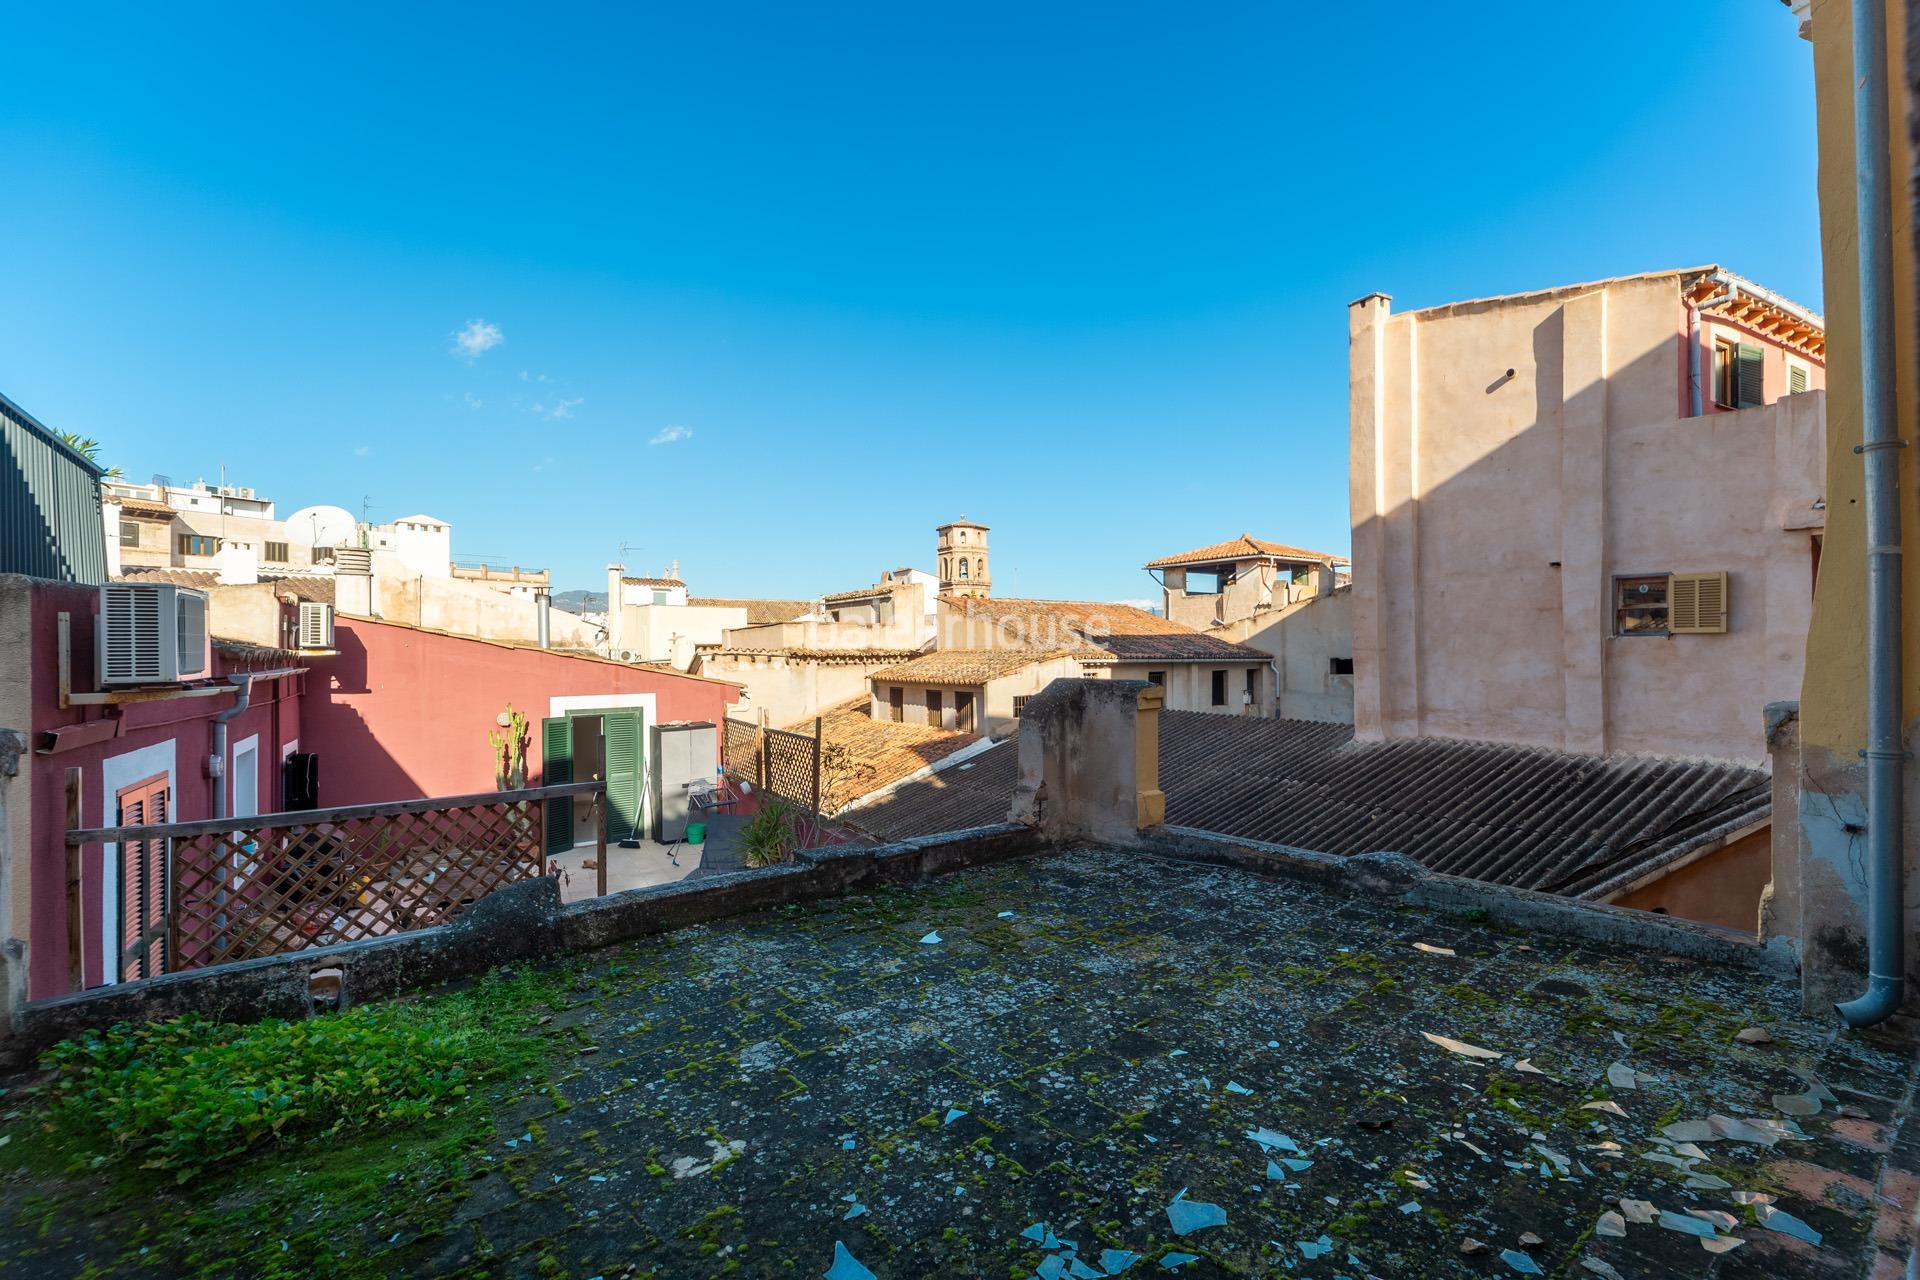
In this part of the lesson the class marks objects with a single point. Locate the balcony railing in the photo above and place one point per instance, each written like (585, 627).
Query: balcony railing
(225, 889)
(513, 575)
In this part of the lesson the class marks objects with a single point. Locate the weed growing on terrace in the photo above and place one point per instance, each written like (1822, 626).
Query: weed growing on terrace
(188, 1094)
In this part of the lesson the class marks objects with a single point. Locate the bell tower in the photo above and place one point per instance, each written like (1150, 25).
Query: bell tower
(962, 556)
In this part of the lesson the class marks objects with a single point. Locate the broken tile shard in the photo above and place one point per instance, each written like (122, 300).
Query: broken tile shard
(1796, 1104)
(845, 1266)
(1174, 1261)
(1460, 1047)
(1622, 1076)
(1641, 1211)
(1755, 1035)
(1234, 1086)
(1786, 1224)
(1690, 1131)
(1520, 1262)
(1115, 1261)
(1186, 1216)
(1686, 1224)
(1271, 1141)
(1604, 1270)
(931, 938)
(1610, 1107)
(1432, 950)
(953, 1113)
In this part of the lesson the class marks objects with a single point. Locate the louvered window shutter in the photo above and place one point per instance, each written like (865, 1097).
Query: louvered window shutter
(1697, 603)
(1750, 360)
(1796, 379)
(556, 767)
(624, 733)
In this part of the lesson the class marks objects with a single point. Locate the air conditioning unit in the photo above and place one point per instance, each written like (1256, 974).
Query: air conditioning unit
(152, 633)
(316, 625)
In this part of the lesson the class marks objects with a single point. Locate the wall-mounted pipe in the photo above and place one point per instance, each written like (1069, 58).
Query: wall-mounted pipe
(245, 684)
(546, 620)
(1696, 399)
(1879, 440)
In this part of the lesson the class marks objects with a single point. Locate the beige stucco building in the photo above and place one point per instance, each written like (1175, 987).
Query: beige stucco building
(1586, 518)
(1233, 580)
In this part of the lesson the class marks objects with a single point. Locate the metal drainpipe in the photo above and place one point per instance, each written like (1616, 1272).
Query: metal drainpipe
(1696, 401)
(546, 620)
(245, 684)
(1886, 944)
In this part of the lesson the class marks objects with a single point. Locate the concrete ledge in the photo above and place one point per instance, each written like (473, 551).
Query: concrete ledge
(1395, 876)
(523, 921)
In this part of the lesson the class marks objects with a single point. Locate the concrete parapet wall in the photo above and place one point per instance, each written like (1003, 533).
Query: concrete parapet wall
(521, 921)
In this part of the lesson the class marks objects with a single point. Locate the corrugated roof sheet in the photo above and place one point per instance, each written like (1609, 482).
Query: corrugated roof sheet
(1244, 547)
(1584, 826)
(50, 520)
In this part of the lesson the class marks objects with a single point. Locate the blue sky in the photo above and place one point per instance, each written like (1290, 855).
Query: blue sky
(1078, 271)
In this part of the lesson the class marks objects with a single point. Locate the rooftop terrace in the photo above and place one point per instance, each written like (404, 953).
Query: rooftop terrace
(1049, 1066)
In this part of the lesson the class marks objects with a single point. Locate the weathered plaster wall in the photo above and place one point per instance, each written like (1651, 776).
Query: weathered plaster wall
(1492, 513)
(1304, 638)
(1823, 857)
(1724, 888)
(1090, 761)
(791, 689)
(442, 603)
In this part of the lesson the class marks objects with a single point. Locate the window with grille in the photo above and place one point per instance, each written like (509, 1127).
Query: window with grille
(129, 534)
(1019, 705)
(276, 552)
(198, 544)
(1219, 688)
(323, 555)
(1796, 379)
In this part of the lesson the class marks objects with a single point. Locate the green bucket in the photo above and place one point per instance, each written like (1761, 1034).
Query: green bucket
(696, 832)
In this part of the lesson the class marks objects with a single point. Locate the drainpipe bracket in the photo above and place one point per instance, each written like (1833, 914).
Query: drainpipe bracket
(1871, 445)
(1885, 753)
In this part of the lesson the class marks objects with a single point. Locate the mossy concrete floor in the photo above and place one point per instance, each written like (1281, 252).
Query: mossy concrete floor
(1094, 1033)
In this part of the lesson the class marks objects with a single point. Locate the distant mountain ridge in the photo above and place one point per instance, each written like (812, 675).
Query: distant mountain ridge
(580, 601)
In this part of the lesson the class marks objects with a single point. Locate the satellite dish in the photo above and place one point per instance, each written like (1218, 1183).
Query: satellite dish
(326, 526)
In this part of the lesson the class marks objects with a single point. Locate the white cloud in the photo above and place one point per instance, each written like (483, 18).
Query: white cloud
(472, 401)
(671, 434)
(361, 450)
(564, 409)
(478, 338)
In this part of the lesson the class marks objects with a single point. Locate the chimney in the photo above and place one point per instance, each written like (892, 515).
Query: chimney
(614, 573)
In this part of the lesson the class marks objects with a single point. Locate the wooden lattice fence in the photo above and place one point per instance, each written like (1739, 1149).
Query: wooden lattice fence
(780, 762)
(240, 888)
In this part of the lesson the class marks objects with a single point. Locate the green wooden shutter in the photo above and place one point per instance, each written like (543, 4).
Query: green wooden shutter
(625, 732)
(1750, 360)
(556, 767)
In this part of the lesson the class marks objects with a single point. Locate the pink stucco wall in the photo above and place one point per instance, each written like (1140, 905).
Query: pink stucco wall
(402, 713)
(273, 715)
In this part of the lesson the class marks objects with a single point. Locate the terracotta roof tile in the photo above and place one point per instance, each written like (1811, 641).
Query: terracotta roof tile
(655, 582)
(976, 666)
(142, 508)
(308, 586)
(1125, 632)
(1244, 547)
(760, 613)
(863, 754)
